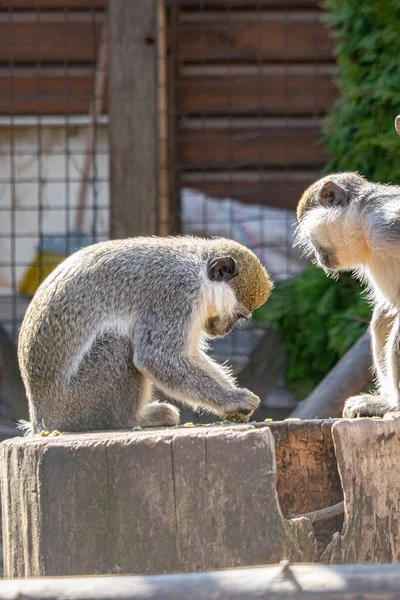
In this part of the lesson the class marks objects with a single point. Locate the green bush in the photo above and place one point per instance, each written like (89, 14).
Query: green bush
(318, 319)
(359, 131)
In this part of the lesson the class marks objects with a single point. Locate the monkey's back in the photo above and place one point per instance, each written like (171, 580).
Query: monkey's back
(100, 288)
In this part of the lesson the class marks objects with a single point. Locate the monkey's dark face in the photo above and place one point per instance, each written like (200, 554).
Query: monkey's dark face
(329, 225)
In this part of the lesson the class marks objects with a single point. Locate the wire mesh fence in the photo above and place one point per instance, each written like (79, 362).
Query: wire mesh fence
(53, 141)
(250, 81)
(242, 87)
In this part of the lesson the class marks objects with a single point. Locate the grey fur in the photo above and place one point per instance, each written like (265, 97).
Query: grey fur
(377, 207)
(146, 294)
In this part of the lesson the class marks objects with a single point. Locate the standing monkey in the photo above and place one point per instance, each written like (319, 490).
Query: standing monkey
(117, 318)
(348, 223)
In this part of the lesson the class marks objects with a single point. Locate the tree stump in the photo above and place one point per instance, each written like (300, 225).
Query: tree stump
(161, 501)
(368, 456)
(198, 499)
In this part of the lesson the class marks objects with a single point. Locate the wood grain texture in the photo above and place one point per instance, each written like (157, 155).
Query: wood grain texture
(367, 452)
(246, 143)
(62, 5)
(55, 91)
(251, 36)
(133, 117)
(142, 502)
(280, 189)
(297, 582)
(256, 90)
(48, 38)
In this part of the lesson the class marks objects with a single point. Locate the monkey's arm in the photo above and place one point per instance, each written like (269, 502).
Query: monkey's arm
(160, 353)
(221, 373)
(391, 382)
(385, 342)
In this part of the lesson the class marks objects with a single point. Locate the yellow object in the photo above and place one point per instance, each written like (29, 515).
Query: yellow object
(44, 433)
(268, 420)
(41, 267)
(56, 432)
(188, 425)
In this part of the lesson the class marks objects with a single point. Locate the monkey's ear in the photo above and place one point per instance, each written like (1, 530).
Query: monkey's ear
(397, 124)
(222, 268)
(331, 194)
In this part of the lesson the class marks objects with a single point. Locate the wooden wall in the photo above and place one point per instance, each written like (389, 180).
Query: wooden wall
(253, 81)
(47, 55)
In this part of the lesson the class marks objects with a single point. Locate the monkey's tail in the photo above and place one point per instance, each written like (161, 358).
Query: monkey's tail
(25, 427)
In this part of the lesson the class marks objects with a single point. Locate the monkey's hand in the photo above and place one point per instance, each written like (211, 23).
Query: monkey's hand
(367, 405)
(247, 403)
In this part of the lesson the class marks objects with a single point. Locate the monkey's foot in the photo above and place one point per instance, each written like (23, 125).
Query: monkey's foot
(367, 405)
(159, 414)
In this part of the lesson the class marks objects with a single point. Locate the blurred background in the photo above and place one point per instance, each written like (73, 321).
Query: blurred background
(205, 117)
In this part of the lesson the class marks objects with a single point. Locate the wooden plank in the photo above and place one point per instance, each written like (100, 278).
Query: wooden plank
(264, 89)
(281, 189)
(48, 38)
(64, 5)
(368, 454)
(280, 582)
(245, 143)
(162, 93)
(130, 502)
(248, 4)
(50, 91)
(133, 110)
(212, 36)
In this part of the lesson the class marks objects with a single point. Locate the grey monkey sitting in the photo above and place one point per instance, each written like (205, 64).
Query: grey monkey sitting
(349, 223)
(119, 318)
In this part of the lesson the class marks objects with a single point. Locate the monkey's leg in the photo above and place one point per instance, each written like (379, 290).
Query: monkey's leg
(106, 392)
(158, 414)
(385, 333)
(161, 356)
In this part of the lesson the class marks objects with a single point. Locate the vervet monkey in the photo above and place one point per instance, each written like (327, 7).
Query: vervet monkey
(117, 318)
(348, 223)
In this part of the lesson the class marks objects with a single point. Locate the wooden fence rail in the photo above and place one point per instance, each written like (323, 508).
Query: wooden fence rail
(297, 582)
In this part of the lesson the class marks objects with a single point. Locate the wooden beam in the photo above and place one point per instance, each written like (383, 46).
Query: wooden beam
(253, 36)
(133, 117)
(298, 582)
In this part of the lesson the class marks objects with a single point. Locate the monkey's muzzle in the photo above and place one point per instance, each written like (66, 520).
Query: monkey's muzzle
(326, 258)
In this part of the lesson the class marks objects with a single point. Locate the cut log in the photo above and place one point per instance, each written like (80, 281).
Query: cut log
(368, 455)
(142, 502)
(348, 378)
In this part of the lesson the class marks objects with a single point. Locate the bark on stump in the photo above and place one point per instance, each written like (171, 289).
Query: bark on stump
(367, 451)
